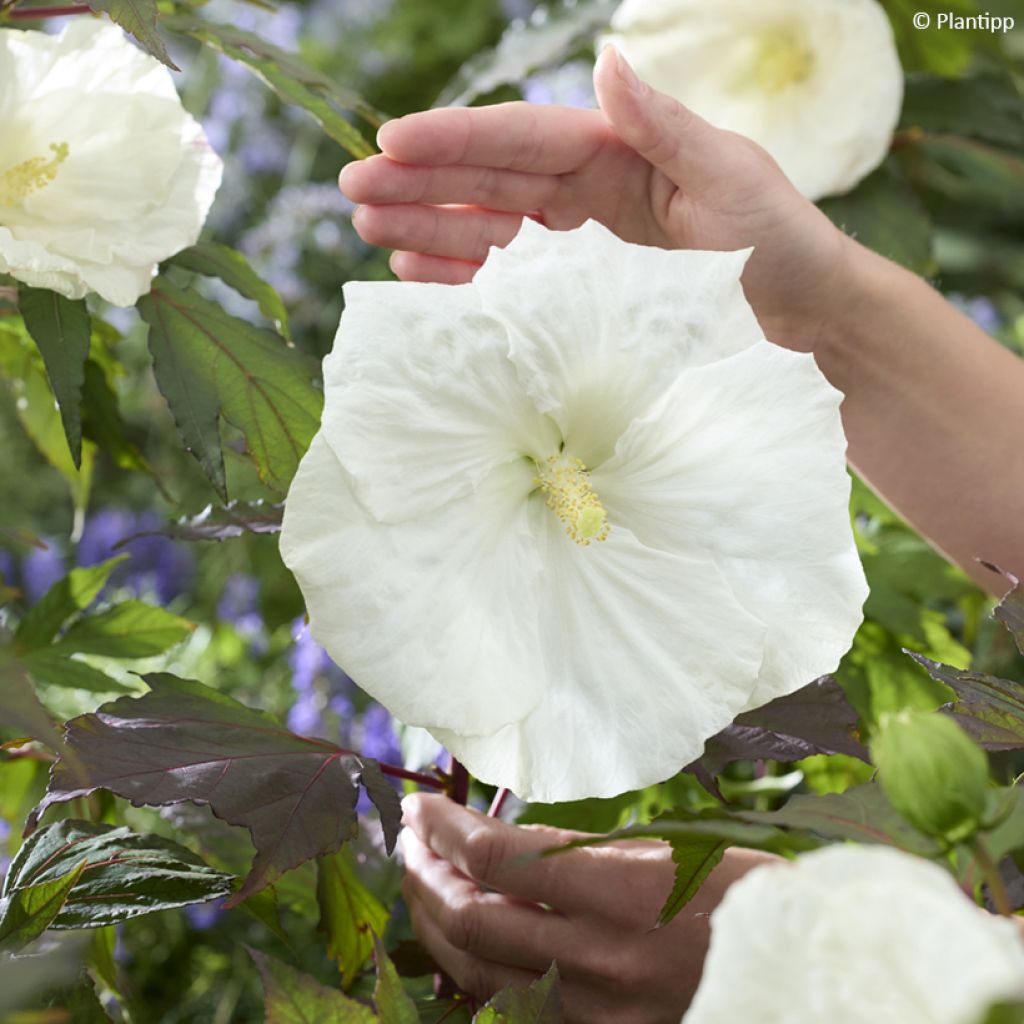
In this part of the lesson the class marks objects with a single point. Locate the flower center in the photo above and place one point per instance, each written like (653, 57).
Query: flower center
(30, 175)
(566, 483)
(780, 58)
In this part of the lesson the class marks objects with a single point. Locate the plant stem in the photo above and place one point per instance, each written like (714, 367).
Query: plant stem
(49, 12)
(420, 778)
(494, 811)
(993, 878)
(459, 791)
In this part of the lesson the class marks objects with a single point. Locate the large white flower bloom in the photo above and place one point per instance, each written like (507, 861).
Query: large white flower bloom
(102, 173)
(818, 83)
(575, 516)
(855, 935)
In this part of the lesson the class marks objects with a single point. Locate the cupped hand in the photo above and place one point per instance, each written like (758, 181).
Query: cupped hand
(492, 913)
(451, 183)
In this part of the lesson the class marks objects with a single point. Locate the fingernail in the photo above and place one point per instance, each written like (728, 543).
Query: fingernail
(626, 72)
(410, 806)
(380, 133)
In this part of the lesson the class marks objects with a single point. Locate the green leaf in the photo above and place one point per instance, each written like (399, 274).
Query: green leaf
(26, 913)
(987, 106)
(210, 364)
(350, 915)
(19, 706)
(939, 50)
(226, 521)
(290, 997)
(60, 328)
(967, 173)
(213, 260)
(102, 422)
(537, 1003)
(124, 874)
(884, 214)
(185, 741)
(54, 668)
(293, 80)
(694, 859)
(67, 597)
(389, 996)
(593, 815)
(131, 629)
(138, 18)
(932, 773)
(1010, 610)
(549, 37)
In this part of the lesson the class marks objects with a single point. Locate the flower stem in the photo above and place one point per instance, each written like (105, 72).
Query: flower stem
(993, 878)
(494, 811)
(459, 791)
(420, 778)
(49, 12)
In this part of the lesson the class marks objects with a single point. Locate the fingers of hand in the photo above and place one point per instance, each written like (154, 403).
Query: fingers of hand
(379, 179)
(483, 924)
(414, 266)
(515, 136)
(461, 233)
(502, 856)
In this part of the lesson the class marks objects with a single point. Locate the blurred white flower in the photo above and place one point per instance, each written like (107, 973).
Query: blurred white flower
(102, 173)
(817, 83)
(575, 516)
(855, 935)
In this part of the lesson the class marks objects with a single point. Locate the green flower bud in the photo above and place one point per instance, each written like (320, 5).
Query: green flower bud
(932, 772)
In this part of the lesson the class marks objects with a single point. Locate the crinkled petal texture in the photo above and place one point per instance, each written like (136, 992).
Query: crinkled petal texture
(855, 935)
(818, 83)
(437, 573)
(139, 175)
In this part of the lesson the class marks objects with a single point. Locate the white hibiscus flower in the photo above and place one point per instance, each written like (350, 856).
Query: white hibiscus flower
(855, 935)
(575, 516)
(817, 83)
(102, 173)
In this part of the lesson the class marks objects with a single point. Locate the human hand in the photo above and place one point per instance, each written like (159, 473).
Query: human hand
(491, 915)
(451, 183)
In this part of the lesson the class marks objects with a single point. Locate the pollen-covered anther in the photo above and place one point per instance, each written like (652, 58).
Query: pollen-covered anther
(31, 175)
(570, 496)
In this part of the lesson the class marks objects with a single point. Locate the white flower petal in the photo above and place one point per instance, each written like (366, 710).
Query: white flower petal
(646, 654)
(139, 176)
(427, 617)
(855, 935)
(599, 327)
(422, 400)
(828, 127)
(743, 461)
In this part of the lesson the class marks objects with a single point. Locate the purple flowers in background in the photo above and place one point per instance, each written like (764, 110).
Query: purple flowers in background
(40, 569)
(378, 738)
(239, 605)
(321, 687)
(5, 834)
(981, 310)
(203, 916)
(571, 85)
(156, 565)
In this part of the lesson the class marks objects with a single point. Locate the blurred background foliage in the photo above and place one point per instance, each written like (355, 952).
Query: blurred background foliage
(949, 202)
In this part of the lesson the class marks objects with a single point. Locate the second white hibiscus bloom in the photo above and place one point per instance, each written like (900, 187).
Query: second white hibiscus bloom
(576, 516)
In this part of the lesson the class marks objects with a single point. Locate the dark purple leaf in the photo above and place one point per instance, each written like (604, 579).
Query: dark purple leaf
(1010, 611)
(817, 719)
(990, 710)
(184, 741)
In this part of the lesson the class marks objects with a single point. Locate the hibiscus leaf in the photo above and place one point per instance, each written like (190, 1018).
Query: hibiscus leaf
(26, 913)
(862, 814)
(537, 1003)
(209, 364)
(294, 81)
(214, 260)
(551, 35)
(350, 915)
(61, 329)
(389, 996)
(968, 173)
(291, 997)
(184, 741)
(990, 709)
(67, 597)
(816, 719)
(130, 629)
(222, 522)
(52, 667)
(19, 706)
(138, 18)
(102, 422)
(124, 874)
(694, 859)
(1010, 610)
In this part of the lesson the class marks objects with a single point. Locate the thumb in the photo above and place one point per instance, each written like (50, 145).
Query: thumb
(686, 148)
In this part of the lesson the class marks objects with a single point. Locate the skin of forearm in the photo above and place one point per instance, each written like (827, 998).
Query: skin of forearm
(934, 414)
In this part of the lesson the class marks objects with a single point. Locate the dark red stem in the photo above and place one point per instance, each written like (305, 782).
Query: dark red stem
(459, 790)
(420, 778)
(49, 12)
(494, 811)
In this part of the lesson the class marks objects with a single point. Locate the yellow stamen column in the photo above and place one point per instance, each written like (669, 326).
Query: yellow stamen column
(570, 496)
